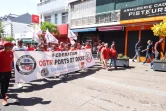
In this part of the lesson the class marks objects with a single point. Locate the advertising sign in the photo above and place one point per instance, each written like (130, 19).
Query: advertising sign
(35, 19)
(144, 13)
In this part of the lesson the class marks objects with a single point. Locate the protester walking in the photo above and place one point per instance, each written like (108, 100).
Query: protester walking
(19, 46)
(158, 49)
(100, 49)
(6, 58)
(105, 56)
(113, 56)
(98, 54)
(148, 52)
(137, 51)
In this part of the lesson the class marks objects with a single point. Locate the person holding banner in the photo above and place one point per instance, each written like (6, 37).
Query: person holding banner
(6, 58)
(78, 46)
(88, 46)
(61, 47)
(73, 48)
(40, 47)
(19, 46)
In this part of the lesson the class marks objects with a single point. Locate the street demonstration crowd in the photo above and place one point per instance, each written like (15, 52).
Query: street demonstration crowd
(104, 52)
(7, 56)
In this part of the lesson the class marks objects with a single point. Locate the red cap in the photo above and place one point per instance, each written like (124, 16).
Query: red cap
(8, 44)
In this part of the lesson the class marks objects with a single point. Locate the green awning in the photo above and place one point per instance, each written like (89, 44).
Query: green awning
(28, 41)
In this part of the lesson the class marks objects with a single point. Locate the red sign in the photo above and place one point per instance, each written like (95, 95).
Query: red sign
(63, 29)
(35, 19)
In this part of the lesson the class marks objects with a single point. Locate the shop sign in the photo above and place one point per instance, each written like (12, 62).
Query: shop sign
(144, 13)
(35, 19)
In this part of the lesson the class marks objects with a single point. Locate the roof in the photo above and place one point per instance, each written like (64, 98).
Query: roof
(10, 17)
(25, 18)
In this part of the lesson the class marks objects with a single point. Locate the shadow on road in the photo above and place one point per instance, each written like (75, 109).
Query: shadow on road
(50, 83)
(27, 101)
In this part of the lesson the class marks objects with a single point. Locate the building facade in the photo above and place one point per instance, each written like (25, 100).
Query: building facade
(18, 27)
(54, 11)
(108, 20)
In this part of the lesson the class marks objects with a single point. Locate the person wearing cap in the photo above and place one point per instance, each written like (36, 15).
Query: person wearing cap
(6, 58)
(148, 52)
(158, 49)
(19, 46)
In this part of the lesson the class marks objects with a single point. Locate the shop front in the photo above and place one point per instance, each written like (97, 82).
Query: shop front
(113, 33)
(138, 22)
(88, 35)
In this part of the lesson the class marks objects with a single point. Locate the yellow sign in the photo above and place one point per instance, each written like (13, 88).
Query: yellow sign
(149, 19)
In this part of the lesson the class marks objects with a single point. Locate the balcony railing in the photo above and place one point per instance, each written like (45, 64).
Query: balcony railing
(97, 19)
(45, 2)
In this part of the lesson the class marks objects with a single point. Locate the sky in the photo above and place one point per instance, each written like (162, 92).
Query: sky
(18, 7)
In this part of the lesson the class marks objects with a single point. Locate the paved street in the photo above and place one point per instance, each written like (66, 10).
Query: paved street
(137, 88)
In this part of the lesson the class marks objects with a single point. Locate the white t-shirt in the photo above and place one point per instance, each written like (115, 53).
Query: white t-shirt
(17, 48)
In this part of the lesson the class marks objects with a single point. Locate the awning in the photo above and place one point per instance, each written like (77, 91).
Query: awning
(110, 28)
(84, 30)
(70, 1)
(28, 41)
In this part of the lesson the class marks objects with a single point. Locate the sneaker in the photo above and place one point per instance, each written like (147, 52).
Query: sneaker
(6, 96)
(133, 61)
(20, 85)
(4, 102)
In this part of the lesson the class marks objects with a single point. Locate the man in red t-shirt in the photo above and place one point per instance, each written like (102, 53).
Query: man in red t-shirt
(61, 47)
(6, 58)
(30, 48)
(105, 55)
(88, 46)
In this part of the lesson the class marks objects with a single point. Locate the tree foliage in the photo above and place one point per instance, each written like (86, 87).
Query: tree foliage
(10, 39)
(1, 27)
(160, 29)
(52, 28)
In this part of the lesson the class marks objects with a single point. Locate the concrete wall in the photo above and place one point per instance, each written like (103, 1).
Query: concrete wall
(11, 28)
(53, 5)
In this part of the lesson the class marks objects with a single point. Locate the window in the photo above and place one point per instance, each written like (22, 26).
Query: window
(56, 19)
(47, 18)
(64, 18)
